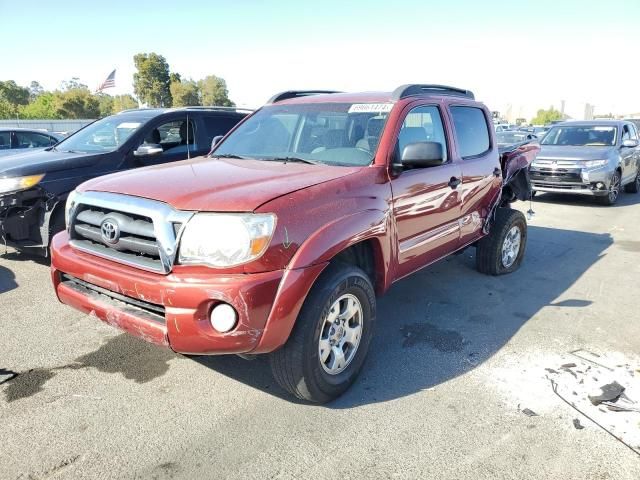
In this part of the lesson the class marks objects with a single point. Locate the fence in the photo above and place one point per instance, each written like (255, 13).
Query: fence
(55, 126)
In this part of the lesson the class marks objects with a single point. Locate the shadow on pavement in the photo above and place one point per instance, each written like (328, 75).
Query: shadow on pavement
(447, 319)
(7, 280)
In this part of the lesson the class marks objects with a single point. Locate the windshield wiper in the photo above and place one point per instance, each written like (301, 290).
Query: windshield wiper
(229, 155)
(293, 159)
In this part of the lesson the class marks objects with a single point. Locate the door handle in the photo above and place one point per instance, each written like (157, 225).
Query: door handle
(454, 182)
(497, 172)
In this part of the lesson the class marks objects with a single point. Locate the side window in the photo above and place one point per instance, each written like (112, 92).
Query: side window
(219, 124)
(174, 136)
(422, 124)
(472, 132)
(634, 132)
(32, 140)
(5, 140)
(626, 133)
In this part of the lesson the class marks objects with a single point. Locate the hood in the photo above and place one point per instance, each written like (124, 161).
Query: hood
(223, 185)
(558, 152)
(44, 161)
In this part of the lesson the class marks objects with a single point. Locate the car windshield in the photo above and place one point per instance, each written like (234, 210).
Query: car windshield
(507, 138)
(104, 135)
(581, 135)
(344, 134)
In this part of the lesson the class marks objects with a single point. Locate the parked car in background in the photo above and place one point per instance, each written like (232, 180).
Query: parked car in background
(512, 137)
(596, 158)
(17, 140)
(635, 121)
(281, 240)
(536, 130)
(34, 186)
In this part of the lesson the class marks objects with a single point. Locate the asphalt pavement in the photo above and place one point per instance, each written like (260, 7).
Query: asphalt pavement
(459, 382)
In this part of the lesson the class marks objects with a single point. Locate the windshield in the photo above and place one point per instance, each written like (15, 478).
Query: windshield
(506, 138)
(102, 136)
(329, 133)
(579, 136)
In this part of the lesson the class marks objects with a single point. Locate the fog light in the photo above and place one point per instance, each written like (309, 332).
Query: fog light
(600, 185)
(223, 317)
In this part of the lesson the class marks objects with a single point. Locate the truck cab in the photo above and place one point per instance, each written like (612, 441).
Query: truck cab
(280, 240)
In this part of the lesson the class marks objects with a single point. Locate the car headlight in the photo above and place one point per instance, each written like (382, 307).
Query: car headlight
(594, 163)
(16, 184)
(68, 206)
(225, 239)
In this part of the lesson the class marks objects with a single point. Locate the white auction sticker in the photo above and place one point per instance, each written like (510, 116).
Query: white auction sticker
(370, 107)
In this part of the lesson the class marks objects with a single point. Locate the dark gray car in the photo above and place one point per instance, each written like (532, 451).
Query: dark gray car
(595, 158)
(21, 140)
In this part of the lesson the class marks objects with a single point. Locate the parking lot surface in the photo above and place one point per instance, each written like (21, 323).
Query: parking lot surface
(458, 383)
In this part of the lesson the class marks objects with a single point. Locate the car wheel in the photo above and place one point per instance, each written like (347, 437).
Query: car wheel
(633, 187)
(614, 191)
(330, 339)
(502, 250)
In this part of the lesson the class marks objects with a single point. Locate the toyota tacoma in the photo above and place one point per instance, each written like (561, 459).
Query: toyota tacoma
(280, 240)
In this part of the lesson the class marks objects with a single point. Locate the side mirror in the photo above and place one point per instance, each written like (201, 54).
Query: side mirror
(422, 154)
(148, 150)
(216, 140)
(630, 143)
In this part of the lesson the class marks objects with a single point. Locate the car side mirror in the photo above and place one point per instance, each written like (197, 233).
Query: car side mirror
(630, 143)
(148, 150)
(422, 154)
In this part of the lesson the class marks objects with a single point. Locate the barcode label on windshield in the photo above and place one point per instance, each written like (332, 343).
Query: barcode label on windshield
(370, 107)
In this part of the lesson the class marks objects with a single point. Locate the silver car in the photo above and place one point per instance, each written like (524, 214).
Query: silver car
(595, 158)
(17, 140)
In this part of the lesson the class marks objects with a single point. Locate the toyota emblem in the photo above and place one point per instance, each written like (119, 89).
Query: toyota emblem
(109, 231)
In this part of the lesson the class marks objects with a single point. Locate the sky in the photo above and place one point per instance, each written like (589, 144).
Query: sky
(517, 56)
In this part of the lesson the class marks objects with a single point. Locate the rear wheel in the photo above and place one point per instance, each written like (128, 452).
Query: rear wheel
(502, 250)
(330, 339)
(633, 187)
(614, 191)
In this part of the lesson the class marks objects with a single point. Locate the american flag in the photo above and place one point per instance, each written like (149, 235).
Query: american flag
(110, 82)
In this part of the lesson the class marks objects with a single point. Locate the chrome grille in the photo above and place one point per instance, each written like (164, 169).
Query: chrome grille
(130, 230)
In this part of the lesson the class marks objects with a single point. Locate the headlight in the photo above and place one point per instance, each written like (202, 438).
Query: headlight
(68, 206)
(594, 163)
(225, 240)
(16, 184)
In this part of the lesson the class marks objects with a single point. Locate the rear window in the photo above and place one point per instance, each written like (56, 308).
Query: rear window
(472, 131)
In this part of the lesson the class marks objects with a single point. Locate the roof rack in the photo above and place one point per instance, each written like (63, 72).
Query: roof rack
(297, 93)
(411, 90)
(214, 107)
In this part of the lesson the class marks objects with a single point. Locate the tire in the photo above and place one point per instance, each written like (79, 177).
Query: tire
(489, 251)
(297, 366)
(614, 191)
(633, 187)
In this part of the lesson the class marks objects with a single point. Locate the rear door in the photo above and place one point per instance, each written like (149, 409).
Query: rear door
(480, 162)
(426, 201)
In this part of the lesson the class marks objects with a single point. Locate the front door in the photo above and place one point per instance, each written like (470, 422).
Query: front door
(426, 203)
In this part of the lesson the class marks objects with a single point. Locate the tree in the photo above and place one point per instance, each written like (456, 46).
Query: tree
(35, 89)
(77, 103)
(213, 91)
(544, 117)
(14, 93)
(43, 107)
(105, 104)
(184, 93)
(124, 102)
(151, 82)
(72, 84)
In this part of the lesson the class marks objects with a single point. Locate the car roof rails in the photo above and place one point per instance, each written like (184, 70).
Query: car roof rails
(215, 107)
(278, 97)
(410, 90)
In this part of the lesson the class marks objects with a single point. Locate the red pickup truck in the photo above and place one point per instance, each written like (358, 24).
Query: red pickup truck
(281, 238)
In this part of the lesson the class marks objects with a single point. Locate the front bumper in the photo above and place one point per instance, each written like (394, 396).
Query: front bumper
(173, 310)
(570, 180)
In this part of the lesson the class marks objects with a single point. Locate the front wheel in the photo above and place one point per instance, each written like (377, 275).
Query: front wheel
(330, 339)
(614, 191)
(502, 250)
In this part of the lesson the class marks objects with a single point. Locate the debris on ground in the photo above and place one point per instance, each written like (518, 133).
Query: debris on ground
(530, 413)
(577, 424)
(608, 393)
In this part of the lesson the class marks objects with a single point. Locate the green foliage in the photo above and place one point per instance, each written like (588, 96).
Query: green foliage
(544, 117)
(105, 104)
(35, 89)
(124, 102)
(13, 93)
(77, 103)
(184, 93)
(151, 82)
(213, 91)
(43, 107)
